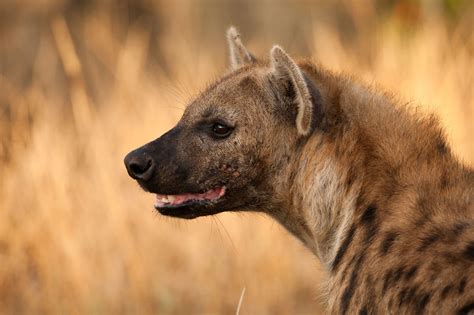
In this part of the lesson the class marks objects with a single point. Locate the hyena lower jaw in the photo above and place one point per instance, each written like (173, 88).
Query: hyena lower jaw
(367, 184)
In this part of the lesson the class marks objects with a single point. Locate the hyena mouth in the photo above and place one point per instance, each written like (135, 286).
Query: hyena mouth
(188, 199)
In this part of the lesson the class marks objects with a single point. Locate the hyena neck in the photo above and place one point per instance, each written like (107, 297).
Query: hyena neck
(320, 189)
(322, 200)
(351, 162)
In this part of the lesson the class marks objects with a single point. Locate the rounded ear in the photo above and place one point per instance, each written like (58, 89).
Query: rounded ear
(290, 81)
(239, 55)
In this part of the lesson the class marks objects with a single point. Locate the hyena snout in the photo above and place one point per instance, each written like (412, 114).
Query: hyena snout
(139, 164)
(158, 167)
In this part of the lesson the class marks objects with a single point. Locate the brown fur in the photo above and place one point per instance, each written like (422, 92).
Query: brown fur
(369, 185)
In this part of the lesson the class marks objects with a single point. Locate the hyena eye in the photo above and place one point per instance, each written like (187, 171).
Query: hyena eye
(221, 130)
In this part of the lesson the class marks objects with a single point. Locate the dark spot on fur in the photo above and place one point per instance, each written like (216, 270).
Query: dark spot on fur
(466, 309)
(469, 251)
(421, 222)
(441, 146)
(351, 176)
(427, 241)
(392, 277)
(410, 273)
(343, 248)
(388, 242)
(402, 296)
(462, 285)
(368, 219)
(450, 257)
(363, 311)
(351, 287)
(398, 274)
(411, 294)
(422, 301)
(459, 228)
(446, 290)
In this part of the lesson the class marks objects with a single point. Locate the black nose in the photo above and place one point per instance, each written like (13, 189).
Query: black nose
(139, 165)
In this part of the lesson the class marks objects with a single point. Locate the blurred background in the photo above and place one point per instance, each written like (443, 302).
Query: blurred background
(84, 82)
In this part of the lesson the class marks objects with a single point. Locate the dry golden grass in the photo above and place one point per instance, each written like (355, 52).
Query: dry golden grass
(77, 236)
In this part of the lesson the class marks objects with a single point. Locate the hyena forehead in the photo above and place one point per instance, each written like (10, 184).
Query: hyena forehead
(242, 91)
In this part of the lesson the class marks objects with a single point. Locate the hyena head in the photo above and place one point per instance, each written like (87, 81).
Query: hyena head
(233, 141)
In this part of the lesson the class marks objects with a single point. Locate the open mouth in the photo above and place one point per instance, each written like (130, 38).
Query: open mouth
(187, 199)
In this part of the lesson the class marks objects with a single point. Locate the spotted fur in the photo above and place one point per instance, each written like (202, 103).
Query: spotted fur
(369, 185)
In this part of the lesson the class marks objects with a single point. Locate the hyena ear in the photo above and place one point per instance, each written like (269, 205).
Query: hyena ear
(239, 55)
(291, 82)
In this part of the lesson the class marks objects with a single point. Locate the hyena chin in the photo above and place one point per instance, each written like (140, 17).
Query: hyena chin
(368, 185)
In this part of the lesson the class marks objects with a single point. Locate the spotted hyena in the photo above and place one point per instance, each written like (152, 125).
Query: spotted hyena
(368, 185)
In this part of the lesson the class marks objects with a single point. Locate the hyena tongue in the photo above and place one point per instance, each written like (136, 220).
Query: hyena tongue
(213, 194)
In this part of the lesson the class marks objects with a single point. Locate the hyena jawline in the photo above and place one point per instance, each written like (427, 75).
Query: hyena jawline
(368, 185)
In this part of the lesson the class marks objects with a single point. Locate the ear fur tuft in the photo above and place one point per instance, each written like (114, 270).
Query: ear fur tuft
(285, 69)
(239, 55)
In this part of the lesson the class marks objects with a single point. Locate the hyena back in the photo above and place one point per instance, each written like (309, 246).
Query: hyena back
(368, 185)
